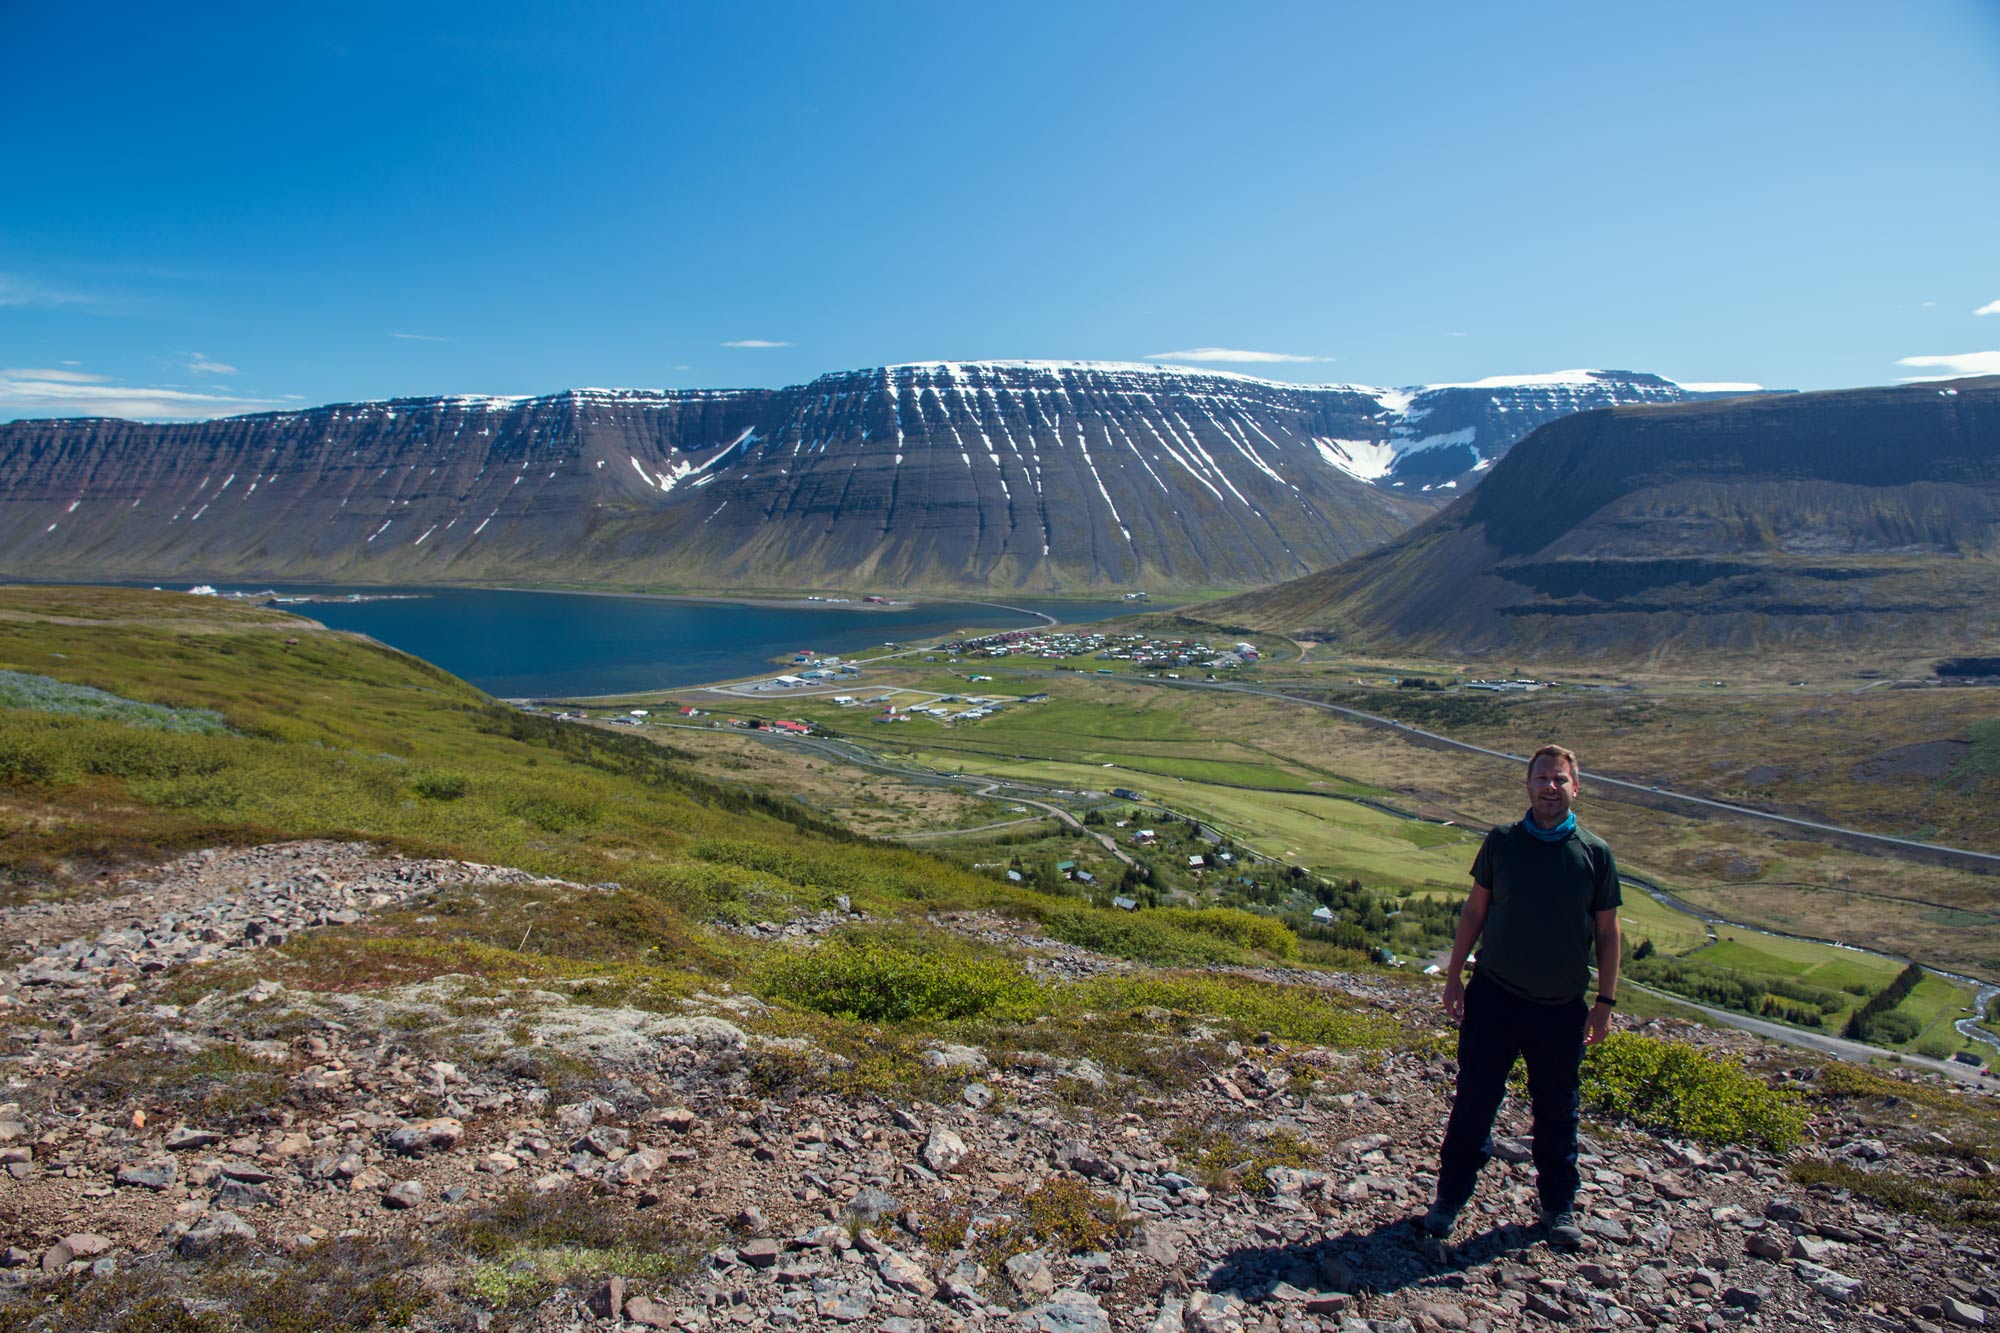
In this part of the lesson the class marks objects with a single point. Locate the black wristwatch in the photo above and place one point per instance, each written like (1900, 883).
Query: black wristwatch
(1607, 1002)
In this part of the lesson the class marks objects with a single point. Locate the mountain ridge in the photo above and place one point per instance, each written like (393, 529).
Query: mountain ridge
(998, 476)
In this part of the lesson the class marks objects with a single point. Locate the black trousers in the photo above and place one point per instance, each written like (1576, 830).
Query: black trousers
(1499, 1026)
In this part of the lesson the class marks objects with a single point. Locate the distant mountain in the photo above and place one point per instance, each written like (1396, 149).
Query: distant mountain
(1442, 436)
(1865, 518)
(989, 476)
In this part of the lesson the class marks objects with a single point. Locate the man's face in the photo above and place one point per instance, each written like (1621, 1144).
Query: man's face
(1552, 788)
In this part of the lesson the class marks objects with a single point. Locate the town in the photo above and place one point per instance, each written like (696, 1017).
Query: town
(1141, 650)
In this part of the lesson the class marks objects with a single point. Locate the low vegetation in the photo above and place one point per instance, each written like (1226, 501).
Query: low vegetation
(1728, 988)
(1875, 1020)
(1969, 1202)
(521, 1247)
(1669, 1087)
(44, 695)
(872, 980)
(1235, 1156)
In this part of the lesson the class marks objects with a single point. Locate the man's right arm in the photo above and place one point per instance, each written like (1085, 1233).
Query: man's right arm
(1471, 920)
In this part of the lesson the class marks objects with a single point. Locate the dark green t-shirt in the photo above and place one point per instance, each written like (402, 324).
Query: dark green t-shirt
(1540, 934)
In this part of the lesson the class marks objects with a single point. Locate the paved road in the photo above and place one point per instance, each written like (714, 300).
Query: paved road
(976, 828)
(1859, 1052)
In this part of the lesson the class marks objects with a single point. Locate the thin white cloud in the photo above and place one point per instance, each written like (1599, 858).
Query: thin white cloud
(1955, 365)
(1233, 354)
(18, 291)
(201, 365)
(1990, 308)
(66, 376)
(31, 393)
(755, 343)
(421, 338)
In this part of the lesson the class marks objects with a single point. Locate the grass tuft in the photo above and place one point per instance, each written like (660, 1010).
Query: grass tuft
(1964, 1201)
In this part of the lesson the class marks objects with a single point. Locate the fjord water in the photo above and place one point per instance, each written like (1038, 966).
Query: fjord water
(551, 644)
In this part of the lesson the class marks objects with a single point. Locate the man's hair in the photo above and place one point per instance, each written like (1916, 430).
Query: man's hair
(1556, 752)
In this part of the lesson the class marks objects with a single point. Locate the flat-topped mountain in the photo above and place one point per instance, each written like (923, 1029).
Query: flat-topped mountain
(999, 476)
(1860, 519)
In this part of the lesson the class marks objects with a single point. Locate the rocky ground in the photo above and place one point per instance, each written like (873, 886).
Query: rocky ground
(528, 1157)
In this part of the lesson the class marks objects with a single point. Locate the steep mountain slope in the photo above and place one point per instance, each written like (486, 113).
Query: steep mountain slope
(1857, 519)
(1035, 476)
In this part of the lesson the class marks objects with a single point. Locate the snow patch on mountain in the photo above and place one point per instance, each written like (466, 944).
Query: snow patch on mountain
(1404, 446)
(1364, 460)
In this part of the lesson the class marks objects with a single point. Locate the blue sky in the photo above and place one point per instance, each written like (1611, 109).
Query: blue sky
(207, 209)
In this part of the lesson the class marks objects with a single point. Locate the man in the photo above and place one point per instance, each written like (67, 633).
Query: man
(1544, 893)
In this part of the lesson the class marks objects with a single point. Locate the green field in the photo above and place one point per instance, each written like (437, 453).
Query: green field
(1644, 918)
(1334, 837)
(1936, 1003)
(1798, 960)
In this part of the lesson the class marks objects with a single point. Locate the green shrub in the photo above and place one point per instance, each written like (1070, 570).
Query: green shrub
(1890, 1029)
(202, 791)
(1071, 1216)
(1147, 937)
(1246, 930)
(53, 750)
(1292, 1013)
(1670, 1087)
(805, 866)
(555, 812)
(440, 784)
(879, 982)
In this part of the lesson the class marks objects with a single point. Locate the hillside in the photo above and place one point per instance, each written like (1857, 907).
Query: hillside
(320, 1008)
(1862, 521)
(1048, 477)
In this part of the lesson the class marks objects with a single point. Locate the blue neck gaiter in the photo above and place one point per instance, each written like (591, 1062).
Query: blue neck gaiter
(1556, 834)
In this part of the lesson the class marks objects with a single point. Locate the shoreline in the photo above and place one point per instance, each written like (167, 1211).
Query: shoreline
(370, 591)
(720, 599)
(807, 603)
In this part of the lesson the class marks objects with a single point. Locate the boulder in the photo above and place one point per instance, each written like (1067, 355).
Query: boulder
(943, 1150)
(1069, 1312)
(212, 1234)
(422, 1136)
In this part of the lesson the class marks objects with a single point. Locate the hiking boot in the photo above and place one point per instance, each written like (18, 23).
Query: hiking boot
(1440, 1219)
(1564, 1233)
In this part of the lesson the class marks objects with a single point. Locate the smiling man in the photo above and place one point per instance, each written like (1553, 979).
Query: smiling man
(1544, 895)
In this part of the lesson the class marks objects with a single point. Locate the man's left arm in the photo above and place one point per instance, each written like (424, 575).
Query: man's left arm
(1607, 976)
